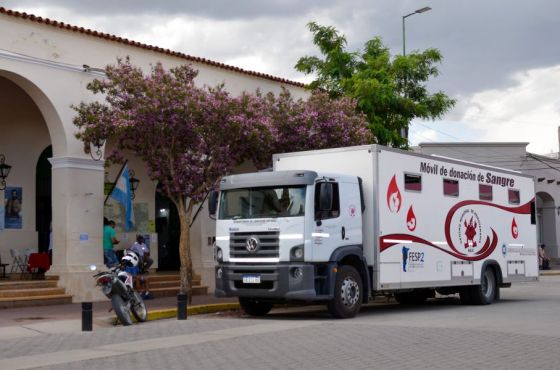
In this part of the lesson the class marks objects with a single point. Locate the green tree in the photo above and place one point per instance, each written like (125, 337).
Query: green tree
(390, 90)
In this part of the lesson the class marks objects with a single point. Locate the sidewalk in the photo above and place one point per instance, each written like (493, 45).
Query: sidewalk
(39, 320)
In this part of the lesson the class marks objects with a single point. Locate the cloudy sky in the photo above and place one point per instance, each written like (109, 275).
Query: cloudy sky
(502, 57)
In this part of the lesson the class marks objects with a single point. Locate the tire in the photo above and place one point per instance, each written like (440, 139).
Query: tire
(255, 307)
(138, 308)
(348, 293)
(415, 297)
(121, 310)
(486, 292)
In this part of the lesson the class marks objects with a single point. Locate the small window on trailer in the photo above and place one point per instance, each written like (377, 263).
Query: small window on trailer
(513, 196)
(412, 182)
(451, 187)
(485, 192)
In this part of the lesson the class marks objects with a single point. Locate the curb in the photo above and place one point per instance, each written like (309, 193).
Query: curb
(193, 310)
(549, 273)
(169, 313)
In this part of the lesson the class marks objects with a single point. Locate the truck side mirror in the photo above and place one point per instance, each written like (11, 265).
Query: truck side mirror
(213, 203)
(325, 196)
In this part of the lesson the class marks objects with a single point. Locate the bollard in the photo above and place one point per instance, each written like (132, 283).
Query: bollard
(87, 316)
(181, 307)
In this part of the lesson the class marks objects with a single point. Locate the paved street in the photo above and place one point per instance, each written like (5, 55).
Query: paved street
(522, 331)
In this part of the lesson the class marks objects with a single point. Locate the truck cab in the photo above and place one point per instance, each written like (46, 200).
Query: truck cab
(291, 236)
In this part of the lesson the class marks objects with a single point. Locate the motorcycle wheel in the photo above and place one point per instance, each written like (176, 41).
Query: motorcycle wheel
(121, 309)
(138, 308)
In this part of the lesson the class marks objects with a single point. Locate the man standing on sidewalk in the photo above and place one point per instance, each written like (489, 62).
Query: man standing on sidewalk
(109, 239)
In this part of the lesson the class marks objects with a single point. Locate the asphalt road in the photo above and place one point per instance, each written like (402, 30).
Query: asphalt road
(522, 331)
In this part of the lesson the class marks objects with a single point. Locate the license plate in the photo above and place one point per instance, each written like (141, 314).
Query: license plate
(251, 279)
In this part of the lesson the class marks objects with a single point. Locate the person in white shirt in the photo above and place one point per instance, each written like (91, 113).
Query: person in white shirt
(140, 248)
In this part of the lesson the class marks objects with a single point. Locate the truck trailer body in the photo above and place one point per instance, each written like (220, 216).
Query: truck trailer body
(343, 225)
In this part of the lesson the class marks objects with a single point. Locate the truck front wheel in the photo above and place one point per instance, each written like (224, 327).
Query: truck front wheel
(255, 307)
(347, 293)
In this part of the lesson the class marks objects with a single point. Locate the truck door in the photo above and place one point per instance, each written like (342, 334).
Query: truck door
(337, 218)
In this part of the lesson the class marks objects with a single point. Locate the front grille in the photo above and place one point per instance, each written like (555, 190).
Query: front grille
(268, 247)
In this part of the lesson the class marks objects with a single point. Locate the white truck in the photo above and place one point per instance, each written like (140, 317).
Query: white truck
(341, 226)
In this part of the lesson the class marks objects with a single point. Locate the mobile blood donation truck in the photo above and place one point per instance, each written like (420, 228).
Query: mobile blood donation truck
(341, 226)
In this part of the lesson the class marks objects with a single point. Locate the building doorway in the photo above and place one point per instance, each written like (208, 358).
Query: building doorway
(547, 212)
(43, 199)
(168, 229)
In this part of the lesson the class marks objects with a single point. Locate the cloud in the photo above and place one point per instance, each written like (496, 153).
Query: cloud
(484, 44)
(527, 111)
(214, 9)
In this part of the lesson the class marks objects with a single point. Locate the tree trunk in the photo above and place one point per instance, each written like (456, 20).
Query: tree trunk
(185, 216)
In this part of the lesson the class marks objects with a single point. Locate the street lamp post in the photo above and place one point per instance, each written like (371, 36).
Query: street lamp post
(418, 11)
(404, 130)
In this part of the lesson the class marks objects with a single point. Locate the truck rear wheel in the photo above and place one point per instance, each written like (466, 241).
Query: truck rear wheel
(347, 293)
(486, 292)
(255, 307)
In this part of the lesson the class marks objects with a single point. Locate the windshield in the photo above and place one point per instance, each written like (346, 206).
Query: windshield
(265, 202)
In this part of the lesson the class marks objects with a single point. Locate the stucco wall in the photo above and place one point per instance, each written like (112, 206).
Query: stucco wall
(45, 63)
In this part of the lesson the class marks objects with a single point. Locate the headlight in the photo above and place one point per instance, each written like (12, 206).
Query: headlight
(219, 254)
(219, 273)
(296, 253)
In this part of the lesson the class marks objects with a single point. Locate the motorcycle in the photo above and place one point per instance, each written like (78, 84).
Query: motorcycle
(117, 285)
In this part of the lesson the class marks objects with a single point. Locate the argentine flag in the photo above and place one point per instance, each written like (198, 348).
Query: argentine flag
(122, 193)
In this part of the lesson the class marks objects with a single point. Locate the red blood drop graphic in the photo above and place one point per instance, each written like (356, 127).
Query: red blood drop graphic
(394, 199)
(514, 229)
(411, 219)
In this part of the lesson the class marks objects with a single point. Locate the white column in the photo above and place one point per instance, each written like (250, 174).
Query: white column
(77, 223)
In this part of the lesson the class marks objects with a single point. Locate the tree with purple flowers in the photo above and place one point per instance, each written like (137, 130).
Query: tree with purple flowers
(319, 122)
(189, 136)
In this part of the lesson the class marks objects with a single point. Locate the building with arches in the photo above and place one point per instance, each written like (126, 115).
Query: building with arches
(45, 66)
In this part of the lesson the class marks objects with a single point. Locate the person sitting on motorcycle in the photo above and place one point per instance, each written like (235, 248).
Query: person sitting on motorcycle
(143, 251)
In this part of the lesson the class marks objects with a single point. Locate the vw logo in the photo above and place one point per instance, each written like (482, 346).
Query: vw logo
(252, 244)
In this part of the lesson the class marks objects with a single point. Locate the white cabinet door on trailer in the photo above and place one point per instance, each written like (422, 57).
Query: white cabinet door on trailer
(441, 220)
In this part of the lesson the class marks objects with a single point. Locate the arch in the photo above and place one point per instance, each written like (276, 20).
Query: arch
(50, 115)
(547, 214)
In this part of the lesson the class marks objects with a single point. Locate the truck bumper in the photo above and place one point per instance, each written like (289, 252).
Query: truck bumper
(277, 282)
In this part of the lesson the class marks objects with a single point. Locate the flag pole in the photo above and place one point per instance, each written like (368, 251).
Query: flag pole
(115, 182)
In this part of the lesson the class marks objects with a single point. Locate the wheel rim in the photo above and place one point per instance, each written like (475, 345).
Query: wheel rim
(488, 284)
(139, 306)
(350, 292)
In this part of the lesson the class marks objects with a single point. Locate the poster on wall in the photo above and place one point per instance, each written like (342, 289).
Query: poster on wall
(141, 218)
(147, 240)
(2, 211)
(116, 212)
(13, 197)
